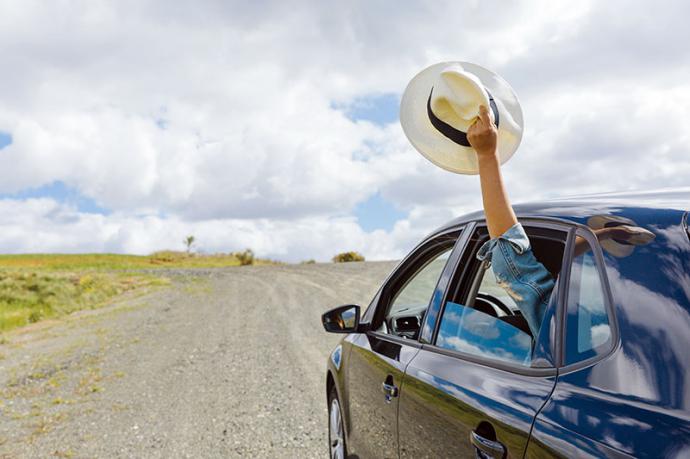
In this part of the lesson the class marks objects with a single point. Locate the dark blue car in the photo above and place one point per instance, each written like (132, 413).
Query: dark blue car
(442, 364)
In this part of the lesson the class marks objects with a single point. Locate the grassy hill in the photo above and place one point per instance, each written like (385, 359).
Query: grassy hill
(38, 286)
(107, 261)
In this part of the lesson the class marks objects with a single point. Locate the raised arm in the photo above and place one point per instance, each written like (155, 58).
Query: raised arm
(524, 279)
(482, 135)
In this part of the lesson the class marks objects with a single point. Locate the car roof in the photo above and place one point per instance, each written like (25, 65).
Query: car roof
(639, 206)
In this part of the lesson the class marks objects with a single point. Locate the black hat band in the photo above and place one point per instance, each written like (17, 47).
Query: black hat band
(449, 131)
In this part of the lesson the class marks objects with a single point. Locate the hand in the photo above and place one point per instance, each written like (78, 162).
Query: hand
(483, 135)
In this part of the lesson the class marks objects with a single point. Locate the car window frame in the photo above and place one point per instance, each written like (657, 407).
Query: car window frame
(406, 280)
(467, 229)
(433, 312)
(569, 229)
(600, 265)
(379, 305)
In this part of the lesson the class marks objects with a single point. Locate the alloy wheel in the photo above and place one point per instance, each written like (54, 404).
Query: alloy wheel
(335, 431)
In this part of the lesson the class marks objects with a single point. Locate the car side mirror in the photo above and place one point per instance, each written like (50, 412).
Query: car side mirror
(343, 319)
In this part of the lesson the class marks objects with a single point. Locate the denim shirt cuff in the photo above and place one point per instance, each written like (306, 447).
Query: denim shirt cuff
(515, 235)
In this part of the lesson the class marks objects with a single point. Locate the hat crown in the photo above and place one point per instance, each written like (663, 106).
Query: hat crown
(456, 97)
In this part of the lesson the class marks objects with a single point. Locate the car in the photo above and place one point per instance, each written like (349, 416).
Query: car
(441, 363)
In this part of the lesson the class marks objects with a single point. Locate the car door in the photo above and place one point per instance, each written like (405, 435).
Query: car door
(622, 385)
(478, 381)
(577, 417)
(378, 358)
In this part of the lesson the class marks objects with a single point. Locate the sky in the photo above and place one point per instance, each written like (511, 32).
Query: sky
(126, 126)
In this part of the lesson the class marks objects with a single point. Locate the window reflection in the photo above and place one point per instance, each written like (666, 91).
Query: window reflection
(471, 331)
(588, 331)
(349, 318)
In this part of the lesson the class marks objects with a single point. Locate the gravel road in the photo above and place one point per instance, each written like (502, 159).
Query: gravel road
(222, 363)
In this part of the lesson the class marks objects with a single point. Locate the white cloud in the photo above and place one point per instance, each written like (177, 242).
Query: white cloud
(218, 118)
(44, 225)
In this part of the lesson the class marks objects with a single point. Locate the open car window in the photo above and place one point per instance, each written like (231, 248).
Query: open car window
(481, 318)
(489, 288)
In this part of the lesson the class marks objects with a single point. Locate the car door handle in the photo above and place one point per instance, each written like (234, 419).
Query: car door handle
(491, 448)
(390, 391)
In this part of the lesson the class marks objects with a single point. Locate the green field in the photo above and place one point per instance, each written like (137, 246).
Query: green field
(39, 286)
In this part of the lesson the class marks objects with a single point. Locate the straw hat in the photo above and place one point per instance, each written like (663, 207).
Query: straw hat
(441, 103)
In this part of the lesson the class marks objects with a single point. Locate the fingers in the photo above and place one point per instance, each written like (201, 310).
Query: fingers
(484, 115)
(482, 134)
(482, 121)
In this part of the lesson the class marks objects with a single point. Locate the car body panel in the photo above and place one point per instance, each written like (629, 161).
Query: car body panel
(375, 359)
(635, 401)
(444, 398)
(579, 208)
(373, 420)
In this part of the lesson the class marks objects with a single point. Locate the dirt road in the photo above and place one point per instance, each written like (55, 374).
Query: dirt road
(223, 363)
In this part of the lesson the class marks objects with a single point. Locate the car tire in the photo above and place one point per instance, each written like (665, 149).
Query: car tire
(336, 431)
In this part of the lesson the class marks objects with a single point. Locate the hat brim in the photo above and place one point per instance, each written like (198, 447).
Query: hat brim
(612, 246)
(439, 149)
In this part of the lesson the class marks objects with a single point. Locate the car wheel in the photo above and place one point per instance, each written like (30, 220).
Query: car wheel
(336, 432)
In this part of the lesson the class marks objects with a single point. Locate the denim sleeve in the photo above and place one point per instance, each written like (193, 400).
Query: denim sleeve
(517, 271)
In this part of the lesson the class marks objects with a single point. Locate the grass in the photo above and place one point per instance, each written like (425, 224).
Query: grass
(30, 296)
(164, 259)
(34, 287)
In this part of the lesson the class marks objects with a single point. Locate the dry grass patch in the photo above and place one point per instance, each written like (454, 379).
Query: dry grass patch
(108, 261)
(29, 296)
(39, 286)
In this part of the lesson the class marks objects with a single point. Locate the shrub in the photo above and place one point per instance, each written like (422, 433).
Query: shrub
(168, 257)
(245, 258)
(346, 257)
(311, 261)
(35, 316)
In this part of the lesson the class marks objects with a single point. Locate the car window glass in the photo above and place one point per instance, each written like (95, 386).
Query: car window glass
(588, 331)
(411, 301)
(471, 331)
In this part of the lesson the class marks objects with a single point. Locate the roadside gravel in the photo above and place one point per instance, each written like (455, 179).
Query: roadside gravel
(223, 363)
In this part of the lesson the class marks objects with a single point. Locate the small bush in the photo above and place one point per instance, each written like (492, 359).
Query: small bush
(35, 316)
(311, 261)
(246, 258)
(346, 257)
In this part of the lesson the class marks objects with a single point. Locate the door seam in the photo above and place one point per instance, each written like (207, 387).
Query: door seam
(534, 419)
(397, 409)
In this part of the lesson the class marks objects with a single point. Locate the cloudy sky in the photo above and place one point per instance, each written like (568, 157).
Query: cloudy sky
(127, 125)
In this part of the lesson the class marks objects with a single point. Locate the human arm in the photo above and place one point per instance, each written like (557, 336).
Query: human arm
(516, 269)
(520, 274)
(483, 137)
